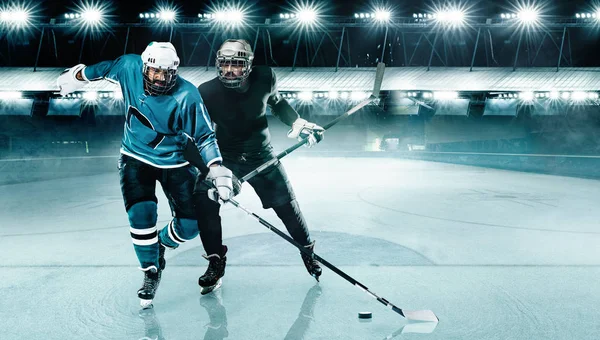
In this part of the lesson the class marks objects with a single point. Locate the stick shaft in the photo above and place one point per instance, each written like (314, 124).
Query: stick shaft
(318, 258)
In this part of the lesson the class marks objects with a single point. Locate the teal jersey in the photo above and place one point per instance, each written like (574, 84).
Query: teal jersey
(157, 128)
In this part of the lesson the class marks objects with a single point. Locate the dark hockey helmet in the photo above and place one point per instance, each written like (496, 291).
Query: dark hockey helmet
(161, 58)
(234, 62)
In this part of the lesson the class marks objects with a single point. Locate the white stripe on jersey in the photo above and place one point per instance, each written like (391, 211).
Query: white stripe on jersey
(142, 231)
(171, 231)
(154, 165)
(145, 242)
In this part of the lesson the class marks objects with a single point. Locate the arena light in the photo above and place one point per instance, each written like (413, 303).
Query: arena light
(565, 95)
(307, 15)
(10, 95)
(229, 16)
(92, 16)
(382, 15)
(593, 95)
(167, 15)
(450, 17)
(90, 96)
(15, 16)
(528, 16)
(287, 15)
(445, 95)
(554, 95)
(526, 96)
(579, 96)
(305, 96)
(333, 95)
(358, 95)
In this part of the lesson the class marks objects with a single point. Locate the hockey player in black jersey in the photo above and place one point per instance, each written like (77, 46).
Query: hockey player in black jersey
(236, 101)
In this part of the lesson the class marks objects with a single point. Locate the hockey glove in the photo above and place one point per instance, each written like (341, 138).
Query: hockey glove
(222, 180)
(302, 129)
(68, 82)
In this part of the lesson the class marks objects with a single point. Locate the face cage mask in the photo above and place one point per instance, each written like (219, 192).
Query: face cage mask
(164, 86)
(222, 66)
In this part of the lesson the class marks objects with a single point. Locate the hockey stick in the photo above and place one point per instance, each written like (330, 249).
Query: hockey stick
(416, 315)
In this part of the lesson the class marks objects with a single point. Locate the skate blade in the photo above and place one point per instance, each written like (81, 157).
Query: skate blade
(145, 304)
(206, 290)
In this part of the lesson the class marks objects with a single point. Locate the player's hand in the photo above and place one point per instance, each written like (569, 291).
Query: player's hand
(302, 129)
(67, 81)
(222, 180)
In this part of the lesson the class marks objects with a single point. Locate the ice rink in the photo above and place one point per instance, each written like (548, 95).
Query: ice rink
(495, 254)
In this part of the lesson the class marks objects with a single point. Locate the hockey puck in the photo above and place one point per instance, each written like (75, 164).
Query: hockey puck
(365, 315)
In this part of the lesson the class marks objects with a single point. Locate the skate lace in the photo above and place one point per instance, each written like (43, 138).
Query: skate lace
(213, 267)
(310, 261)
(150, 282)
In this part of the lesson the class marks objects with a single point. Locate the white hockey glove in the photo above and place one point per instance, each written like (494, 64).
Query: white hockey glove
(68, 82)
(222, 179)
(302, 129)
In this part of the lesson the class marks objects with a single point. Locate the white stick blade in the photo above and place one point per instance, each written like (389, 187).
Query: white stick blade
(420, 315)
(420, 327)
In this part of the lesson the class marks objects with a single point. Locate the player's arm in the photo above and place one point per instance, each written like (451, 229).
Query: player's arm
(282, 109)
(199, 128)
(76, 77)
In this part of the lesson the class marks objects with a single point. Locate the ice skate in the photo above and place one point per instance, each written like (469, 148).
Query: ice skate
(312, 266)
(211, 279)
(152, 280)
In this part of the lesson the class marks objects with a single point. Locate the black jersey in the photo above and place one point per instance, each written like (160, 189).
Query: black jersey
(240, 118)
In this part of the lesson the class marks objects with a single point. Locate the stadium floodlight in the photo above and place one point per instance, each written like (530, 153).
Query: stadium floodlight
(307, 15)
(452, 17)
(10, 95)
(118, 94)
(90, 96)
(593, 95)
(167, 15)
(554, 95)
(526, 96)
(358, 95)
(382, 15)
(445, 95)
(305, 96)
(565, 95)
(528, 16)
(92, 16)
(333, 95)
(579, 96)
(15, 16)
(230, 16)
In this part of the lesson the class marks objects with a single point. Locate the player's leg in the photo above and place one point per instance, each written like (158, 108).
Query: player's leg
(211, 232)
(138, 184)
(178, 186)
(275, 191)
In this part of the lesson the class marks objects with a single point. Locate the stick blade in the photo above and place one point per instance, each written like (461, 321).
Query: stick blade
(420, 327)
(420, 315)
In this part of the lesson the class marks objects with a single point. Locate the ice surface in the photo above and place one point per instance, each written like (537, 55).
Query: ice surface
(494, 254)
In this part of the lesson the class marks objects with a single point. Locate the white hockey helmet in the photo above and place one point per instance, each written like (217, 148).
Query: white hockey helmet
(234, 52)
(162, 57)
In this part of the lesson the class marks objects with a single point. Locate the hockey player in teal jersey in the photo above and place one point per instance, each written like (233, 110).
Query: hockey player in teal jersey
(163, 112)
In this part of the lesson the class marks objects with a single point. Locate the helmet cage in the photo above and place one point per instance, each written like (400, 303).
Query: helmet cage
(164, 86)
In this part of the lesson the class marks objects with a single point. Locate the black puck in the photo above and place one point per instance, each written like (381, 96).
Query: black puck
(365, 315)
